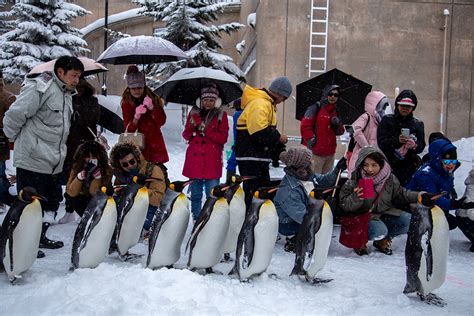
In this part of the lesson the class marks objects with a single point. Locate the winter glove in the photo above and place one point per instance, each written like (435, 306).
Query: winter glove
(81, 175)
(141, 109)
(96, 174)
(335, 123)
(148, 102)
(342, 164)
(461, 204)
(310, 143)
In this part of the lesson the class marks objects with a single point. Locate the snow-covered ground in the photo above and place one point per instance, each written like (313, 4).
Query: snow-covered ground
(370, 285)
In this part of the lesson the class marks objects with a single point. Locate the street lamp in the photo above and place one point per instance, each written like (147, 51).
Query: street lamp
(106, 25)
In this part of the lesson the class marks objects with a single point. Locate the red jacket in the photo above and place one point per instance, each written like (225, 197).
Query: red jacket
(150, 125)
(319, 125)
(204, 152)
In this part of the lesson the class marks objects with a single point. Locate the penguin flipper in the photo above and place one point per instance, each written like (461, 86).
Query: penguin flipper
(155, 228)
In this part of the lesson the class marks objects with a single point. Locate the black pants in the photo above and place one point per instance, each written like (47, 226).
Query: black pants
(467, 227)
(258, 169)
(47, 185)
(76, 204)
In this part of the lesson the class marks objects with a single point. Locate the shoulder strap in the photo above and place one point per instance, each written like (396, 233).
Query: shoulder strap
(149, 169)
(366, 123)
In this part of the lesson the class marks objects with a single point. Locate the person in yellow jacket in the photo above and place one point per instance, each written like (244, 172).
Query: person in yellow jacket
(90, 171)
(128, 161)
(257, 138)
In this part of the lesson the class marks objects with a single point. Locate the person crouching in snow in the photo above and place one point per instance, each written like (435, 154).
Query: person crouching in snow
(206, 131)
(127, 161)
(292, 197)
(466, 216)
(90, 171)
(437, 176)
(372, 203)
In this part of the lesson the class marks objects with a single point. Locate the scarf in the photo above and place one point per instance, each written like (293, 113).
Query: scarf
(303, 174)
(379, 178)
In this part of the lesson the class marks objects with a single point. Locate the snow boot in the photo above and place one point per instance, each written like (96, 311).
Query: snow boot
(40, 254)
(384, 246)
(362, 251)
(67, 218)
(290, 245)
(45, 242)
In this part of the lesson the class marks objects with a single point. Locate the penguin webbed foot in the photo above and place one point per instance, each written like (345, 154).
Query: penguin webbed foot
(209, 270)
(316, 281)
(129, 257)
(15, 279)
(432, 299)
(227, 258)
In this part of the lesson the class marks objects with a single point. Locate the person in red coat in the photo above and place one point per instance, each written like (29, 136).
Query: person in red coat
(206, 131)
(143, 112)
(319, 128)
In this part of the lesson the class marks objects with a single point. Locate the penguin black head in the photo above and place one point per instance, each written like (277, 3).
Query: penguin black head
(142, 179)
(178, 186)
(219, 190)
(319, 193)
(266, 193)
(28, 194)
(107, 190)
(237, 179)
(429, 199)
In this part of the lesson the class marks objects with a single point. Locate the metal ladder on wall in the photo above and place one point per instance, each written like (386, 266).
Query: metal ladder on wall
(318, 40)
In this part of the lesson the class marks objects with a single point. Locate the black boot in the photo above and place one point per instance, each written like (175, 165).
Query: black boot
(40, 254)
(45, 242)
(290, 244)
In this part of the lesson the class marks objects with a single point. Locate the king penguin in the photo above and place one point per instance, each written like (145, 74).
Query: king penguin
(132, 209)
(236, 198)
(314, 237)
(258, 235)
(168, 227)
(20, 233)
(426, 251)
(95, 230)
(206, 243)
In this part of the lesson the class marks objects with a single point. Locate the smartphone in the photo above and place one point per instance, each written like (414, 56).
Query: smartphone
(349, 129)
(406, 132)
(367, 186)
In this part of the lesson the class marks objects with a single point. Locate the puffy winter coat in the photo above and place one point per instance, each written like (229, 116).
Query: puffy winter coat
(85, 116)
(365, 127)
(150, 125)
(75, 187)
(387, 139)
(392, 190)
(316, 124)
(204, 152)
(432, 178)
(257, 135)
(291, 199)
(38, 121)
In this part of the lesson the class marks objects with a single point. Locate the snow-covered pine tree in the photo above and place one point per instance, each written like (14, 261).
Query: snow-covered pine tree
(42, 32)
(5, 23)
(189, 26)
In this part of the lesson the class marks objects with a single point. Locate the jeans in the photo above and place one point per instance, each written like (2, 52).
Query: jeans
(389, 226)
(196, 188)
(288, 229)
(149, 217)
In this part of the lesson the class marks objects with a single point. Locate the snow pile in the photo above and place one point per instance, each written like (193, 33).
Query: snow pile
(362, 285)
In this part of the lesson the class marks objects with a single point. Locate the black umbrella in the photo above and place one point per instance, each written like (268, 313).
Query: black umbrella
(141, 50)
(185, 85)
(351, 102)
(110, 115)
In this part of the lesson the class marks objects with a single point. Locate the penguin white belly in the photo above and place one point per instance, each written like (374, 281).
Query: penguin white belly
(26, 237)
(237, 216)
(322, 240)
(99, 239)
(168, 244)
(132, 223)
(439, 248)
(209, 245)
(266, 233)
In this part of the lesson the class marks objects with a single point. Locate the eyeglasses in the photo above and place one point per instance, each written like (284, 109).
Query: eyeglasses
(333, 94)
(450, 161)
(131, 162)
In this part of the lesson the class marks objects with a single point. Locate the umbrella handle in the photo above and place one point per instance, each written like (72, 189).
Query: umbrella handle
(337, 181)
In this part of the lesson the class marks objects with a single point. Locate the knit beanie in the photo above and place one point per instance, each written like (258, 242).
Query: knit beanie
(297, 157)
(210, 92)
(135, 78)
(282, 86)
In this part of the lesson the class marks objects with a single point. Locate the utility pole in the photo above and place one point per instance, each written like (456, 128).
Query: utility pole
(443, 117)
(106, 26)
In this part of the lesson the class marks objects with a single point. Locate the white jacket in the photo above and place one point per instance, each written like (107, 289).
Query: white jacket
(38, 121)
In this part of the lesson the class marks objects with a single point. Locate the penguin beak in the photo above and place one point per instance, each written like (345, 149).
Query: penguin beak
(435, 197)
(225, 188)
(187, 183)
(150, 179)
(273, 189)
(39, 197)
(245, 178)
(329, 190)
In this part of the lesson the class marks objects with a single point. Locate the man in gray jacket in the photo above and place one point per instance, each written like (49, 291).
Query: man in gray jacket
(38, 122)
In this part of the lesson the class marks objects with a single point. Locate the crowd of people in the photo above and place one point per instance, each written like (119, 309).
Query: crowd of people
(53, 126)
